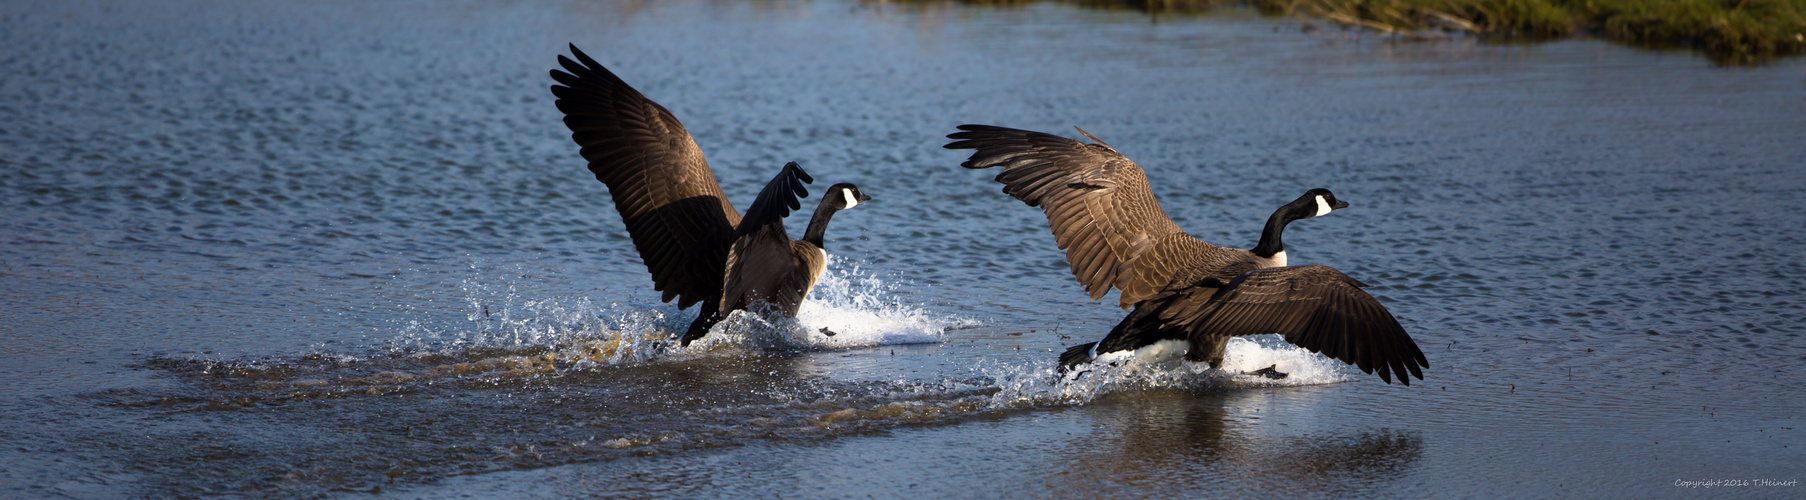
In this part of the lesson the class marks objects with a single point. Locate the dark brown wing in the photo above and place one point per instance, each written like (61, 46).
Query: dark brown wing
(675, 211)
(1098, 205)
(761, 264)
(1317, 308)
(779, 196)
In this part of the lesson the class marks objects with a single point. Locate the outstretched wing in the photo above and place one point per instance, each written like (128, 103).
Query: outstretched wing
(675, 211)
(1314, 307)
(1098, 205)
(779, 196)
(760, 264)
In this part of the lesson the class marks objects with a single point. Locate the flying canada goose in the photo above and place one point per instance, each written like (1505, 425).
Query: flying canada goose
(696, 246)
(1188, 297)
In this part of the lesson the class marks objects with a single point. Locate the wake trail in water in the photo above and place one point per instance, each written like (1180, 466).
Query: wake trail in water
(541, 381)
(609, 373)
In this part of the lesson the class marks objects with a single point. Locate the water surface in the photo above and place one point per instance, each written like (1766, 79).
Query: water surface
(348, 248)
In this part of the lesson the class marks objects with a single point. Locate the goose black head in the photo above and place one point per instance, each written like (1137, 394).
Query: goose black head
(844, 196)
(838, 197)
(1315, 203)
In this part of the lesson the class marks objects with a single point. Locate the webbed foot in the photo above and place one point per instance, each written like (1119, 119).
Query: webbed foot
(1072, 374)
(1271, 372)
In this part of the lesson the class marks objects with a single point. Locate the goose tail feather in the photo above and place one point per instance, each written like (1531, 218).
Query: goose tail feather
(1076, 355)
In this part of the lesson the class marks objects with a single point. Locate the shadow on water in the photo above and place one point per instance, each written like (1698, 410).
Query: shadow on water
(1162, 443)
(1208, 441)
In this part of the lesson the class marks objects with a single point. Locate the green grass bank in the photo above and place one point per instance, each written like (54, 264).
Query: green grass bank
(1731, 32)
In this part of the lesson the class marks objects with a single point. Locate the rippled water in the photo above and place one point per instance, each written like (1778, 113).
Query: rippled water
(300, 250)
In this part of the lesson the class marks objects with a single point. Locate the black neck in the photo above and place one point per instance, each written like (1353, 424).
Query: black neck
(1269, 237)
(818, 223)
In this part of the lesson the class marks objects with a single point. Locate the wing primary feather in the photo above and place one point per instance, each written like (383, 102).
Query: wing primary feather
(675, 213)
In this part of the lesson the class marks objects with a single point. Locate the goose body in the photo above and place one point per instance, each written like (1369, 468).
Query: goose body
(697, 247)
(1186, 297)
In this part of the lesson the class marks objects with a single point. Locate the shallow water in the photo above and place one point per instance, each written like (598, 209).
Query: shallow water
(345, 247)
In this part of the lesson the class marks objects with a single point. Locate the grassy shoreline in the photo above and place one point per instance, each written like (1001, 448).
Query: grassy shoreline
(1730, 32)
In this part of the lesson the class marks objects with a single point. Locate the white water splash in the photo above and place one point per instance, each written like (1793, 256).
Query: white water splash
(572, 329)
(1247, 354)
(862, 310)
(1041, 383)
(848, 308)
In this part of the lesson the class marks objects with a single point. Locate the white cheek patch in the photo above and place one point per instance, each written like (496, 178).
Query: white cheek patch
(853, 201)
(1322, 207)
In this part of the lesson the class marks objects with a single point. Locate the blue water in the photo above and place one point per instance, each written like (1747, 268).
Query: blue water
(344, 248)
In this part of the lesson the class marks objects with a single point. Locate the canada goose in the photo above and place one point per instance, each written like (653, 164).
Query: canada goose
(1188, 297)
(696, 246)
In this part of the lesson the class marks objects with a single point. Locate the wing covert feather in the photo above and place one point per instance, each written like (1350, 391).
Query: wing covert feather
(1098, 205)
